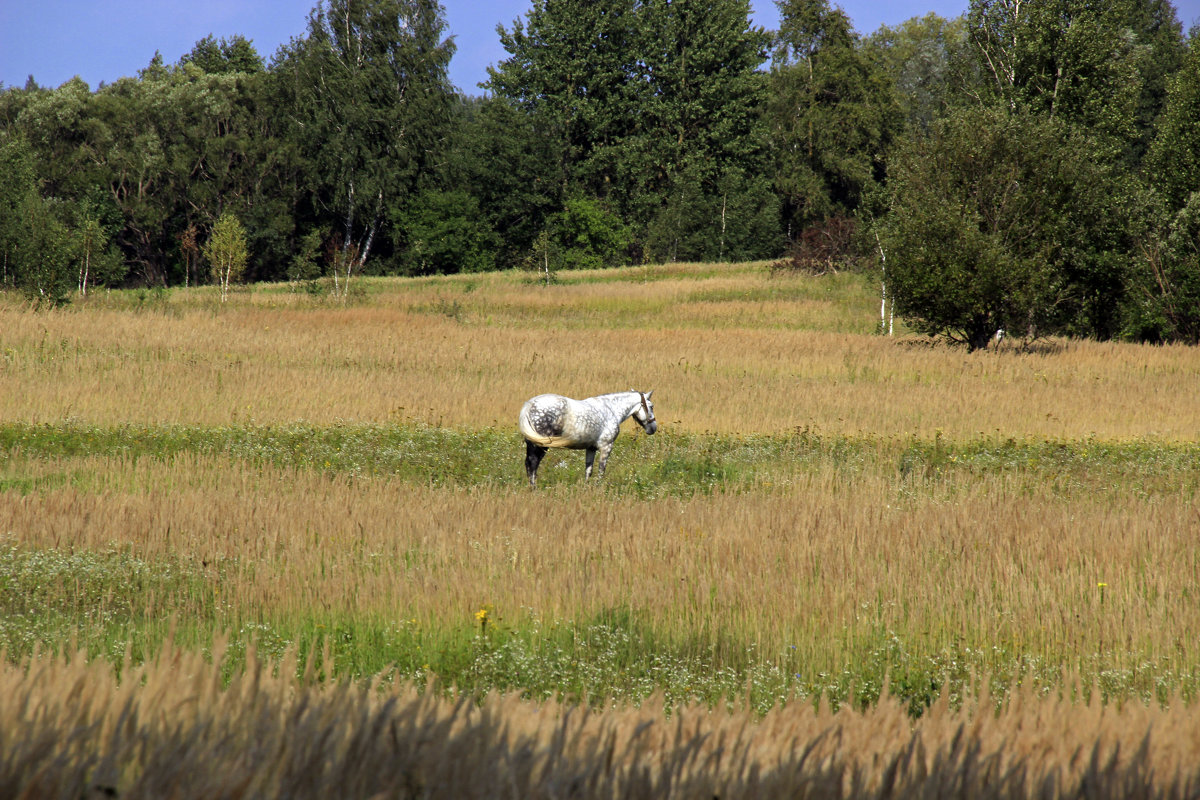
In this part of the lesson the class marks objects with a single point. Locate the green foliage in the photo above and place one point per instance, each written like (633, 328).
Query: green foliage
(1098, 66)
(17, 182)
(831, 111)
(620, 131)
(588, 236)
(370, 101)
(651, 108)
(570, 66)
(928, 61)
(737, 219)
(236, 54)
(502, 158)
(41, 251)
(1173, 162)
(1165, 303)
(98, 261)
(306, 265)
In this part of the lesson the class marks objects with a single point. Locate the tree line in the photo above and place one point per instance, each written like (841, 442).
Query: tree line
(1028, 167)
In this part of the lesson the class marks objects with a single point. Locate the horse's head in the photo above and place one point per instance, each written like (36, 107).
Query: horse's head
(644, 415)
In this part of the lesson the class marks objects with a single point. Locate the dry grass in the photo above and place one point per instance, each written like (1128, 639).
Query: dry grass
(815, 573)
(469, 352)
(173, 729)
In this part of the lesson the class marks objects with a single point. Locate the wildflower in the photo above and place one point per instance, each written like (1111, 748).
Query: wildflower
(484, 615)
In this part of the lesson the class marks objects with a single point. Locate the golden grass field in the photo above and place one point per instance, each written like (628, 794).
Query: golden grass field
(845, 555)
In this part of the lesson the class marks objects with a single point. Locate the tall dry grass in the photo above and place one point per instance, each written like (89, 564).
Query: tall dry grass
(737, 353)
(173, 728)
(814, 575)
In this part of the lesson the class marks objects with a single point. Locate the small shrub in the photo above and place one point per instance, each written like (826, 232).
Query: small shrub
(820, 249)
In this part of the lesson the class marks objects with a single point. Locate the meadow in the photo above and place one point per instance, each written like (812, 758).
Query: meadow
(839, 555)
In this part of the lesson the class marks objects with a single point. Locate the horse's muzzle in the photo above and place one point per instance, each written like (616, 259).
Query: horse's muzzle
(650, 427)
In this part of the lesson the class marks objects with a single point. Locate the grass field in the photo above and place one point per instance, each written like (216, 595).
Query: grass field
(824, 511)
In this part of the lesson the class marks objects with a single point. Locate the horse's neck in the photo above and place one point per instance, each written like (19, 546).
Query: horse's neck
(623, 404)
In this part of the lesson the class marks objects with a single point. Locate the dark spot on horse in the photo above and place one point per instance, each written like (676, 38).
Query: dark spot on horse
(549, 423)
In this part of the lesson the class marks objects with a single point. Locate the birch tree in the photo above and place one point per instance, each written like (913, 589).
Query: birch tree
(226, 251)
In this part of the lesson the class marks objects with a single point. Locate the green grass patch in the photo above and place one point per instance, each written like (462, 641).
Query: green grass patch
(666, 465)
(102, 602)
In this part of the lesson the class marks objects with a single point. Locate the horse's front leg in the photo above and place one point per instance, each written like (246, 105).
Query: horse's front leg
(588, 458)
(604, 450)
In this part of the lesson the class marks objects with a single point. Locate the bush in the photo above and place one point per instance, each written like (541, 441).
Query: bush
(821, 248)
(589, 236)
(445, 233)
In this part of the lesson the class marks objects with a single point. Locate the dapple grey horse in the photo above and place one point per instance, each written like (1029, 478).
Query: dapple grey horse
(551, 420)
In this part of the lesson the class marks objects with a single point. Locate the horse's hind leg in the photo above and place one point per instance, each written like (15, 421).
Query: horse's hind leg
(533, 457)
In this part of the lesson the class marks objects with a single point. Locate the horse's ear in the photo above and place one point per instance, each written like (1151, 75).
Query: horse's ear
(649, 394)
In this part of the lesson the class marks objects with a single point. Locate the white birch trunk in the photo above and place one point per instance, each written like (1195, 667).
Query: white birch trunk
(885, 319)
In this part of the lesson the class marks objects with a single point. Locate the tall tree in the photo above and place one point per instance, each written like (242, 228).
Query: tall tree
(701, 141)
(18, 180)
(1173, 163)
(1165, 298)
(502, 156)
(236, 54)
(371, 104)
(177, 147)
(649, 107)
(831, 111)
(572, 67)
(926, 59)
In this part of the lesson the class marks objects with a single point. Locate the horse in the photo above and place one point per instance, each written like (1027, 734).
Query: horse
(551, 420)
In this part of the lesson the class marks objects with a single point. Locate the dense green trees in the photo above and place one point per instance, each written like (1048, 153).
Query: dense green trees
(1028, 166)
(1037, 216)
(997, 219)
(652, 110)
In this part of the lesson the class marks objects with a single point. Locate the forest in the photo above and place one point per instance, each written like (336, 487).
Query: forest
(1026, 168)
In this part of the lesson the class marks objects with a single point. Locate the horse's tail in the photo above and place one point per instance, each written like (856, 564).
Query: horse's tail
(532, 434)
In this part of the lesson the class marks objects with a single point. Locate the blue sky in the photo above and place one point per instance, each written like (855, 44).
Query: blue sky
(54, 40)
